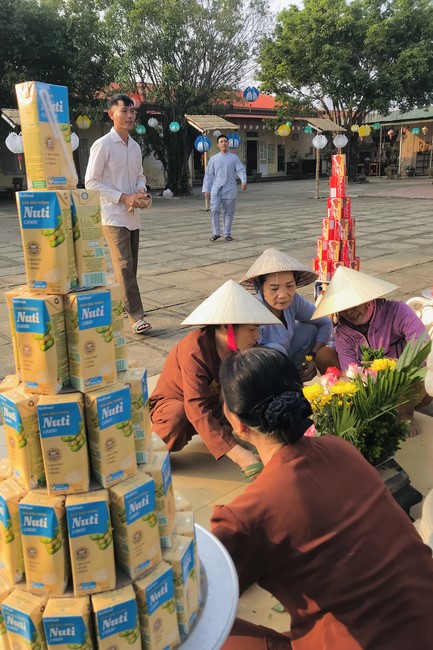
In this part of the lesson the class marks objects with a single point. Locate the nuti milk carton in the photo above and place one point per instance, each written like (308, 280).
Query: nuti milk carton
(5, 469)
(110, 434)
(45, 126)
(181, 556)
(90, 542)
(6, 587)
(9, 383)
(45, 543)
(118, 326)
(92, 358)
(23, 618)
(88, 238)
(46, 232)
(11, 551)
(157, 609)
(22, 437)
(67, 624)
(185, 526)
(64, 444)
(116, 616)
(136, 379)
(135, 525)
(13, 293)
(159, 469)
(41, 340)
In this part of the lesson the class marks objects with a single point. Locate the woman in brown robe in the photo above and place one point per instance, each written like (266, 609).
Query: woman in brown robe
(317, 529)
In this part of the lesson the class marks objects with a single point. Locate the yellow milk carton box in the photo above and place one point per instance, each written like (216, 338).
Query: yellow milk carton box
(11, 550)
(159, 469)
(22, 437)
(118, 326)
(92, 359)
(136, 379)
(46, 232)
(181, 556)
(46, 131)
(41, 340)
(45, 543)
(9, 383)
(13, 293)
(23, 618)
(90, 542)
(5, 469)
(185, 526)
(67, 624)
(110, 435)
(6, 587)
(135, 525)
(64, 443)
(157, 609)
(88, 238)
(116, 616)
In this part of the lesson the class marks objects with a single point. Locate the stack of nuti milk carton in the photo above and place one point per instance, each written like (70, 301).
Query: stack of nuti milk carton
(90, 555)
(336, 247)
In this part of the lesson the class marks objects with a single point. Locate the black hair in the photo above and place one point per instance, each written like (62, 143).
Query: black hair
(221, 135)
(119, 97)
(263, 388)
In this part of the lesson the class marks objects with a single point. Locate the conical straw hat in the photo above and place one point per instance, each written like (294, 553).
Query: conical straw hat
(349, 288)
(231, 304)
(274, 261)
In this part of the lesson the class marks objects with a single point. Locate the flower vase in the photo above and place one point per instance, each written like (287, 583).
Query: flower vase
(397, 482)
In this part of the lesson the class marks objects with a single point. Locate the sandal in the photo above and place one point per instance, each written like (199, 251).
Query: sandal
(215, 237)
(229, 238)
(141, 327)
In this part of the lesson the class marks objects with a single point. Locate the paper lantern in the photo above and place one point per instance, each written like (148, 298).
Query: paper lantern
(174, 127)
(354, 128)
(217, 133)
(202, 143)
(320, 141)
(284, 130)
(251, 94)
(424, 130)
(376, 126)
(152, 122)
(364, 130)
(308, 129)
(75, 141)
(289, 123)
(83, 122)
(14, 143)
(415, 130)
(340, 141)
(234, 140)
(140, 129)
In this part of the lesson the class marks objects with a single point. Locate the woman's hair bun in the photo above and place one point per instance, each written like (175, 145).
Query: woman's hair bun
(287, 409)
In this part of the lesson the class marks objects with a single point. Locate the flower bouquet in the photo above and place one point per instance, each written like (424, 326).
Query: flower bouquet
(361, 404)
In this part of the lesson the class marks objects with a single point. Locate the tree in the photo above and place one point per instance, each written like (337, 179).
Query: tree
(182, 57)
(350, 58)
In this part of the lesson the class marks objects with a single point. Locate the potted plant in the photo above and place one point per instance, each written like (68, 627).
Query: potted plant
(409, 170)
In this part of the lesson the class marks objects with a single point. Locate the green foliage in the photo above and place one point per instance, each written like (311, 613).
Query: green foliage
(369, 354)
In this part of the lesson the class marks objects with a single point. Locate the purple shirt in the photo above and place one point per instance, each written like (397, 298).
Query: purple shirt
(392, 326)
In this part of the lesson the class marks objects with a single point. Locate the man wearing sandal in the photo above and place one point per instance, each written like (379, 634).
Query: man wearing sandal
(186, 400)
(115, 169)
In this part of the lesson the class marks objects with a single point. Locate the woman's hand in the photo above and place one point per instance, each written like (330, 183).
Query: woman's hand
(308, 371)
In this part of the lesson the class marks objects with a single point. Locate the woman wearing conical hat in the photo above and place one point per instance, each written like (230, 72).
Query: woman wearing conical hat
(186, 400)
(276, 276)
(365, 318)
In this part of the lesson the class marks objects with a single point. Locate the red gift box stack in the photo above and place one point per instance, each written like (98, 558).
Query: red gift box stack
(336, 247)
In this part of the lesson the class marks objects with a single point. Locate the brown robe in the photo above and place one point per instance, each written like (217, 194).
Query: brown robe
(319, 530)
(186, 400)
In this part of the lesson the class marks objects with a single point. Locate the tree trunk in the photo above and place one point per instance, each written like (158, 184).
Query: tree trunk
(178, 154)
(352, 157)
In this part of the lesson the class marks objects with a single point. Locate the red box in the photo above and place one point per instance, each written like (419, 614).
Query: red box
(343, 229)
(347, 250)
(328, 229)
(324, 270)
(337, 187)
(338, 163)
(335, 265)
(353, 264)
(338, 208)
(334, 247)
(322, 249)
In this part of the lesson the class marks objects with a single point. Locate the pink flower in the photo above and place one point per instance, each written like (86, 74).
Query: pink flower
(353, 371)
(311, 432)
(331, 376)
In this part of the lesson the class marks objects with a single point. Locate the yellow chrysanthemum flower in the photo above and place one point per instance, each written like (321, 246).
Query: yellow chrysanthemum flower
(383, 364)
(344, 388)
(313, 392)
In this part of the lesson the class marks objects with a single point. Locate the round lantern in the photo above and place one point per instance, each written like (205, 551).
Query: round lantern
(376, 126)
(340, 141)
(152, 122)
(75, 141)
(308, 129)
(174, 127)
(364, 130)
(424, 130)
(251, 94)
(284, 130)
(320, 141)
(202, 143)
(83, 122)
(289, 123)
(14, 143)
(354, 128)
(416, 130)
(140, 129)
(217, 132)
(234, 140)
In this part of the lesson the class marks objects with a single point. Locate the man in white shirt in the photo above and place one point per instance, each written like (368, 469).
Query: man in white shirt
(115, 169)
(219, 184)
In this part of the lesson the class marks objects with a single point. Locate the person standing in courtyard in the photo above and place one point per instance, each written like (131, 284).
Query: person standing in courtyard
(219, 184)
(115, 169)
